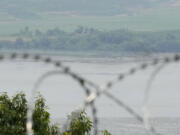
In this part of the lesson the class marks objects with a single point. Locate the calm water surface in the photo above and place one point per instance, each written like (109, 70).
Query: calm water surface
(63, 94)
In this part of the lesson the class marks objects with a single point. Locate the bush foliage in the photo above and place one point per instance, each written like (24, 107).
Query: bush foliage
(13, 117)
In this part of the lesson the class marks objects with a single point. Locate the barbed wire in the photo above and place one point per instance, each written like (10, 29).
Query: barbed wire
(65, 70)
(46, 75)
(122, 76)
(130, 72)
(145, 107)
(87, 85)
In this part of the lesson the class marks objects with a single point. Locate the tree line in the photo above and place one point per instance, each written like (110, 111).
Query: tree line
(89, 39)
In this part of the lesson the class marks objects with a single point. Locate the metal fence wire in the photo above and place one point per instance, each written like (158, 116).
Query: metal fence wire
(88, 86)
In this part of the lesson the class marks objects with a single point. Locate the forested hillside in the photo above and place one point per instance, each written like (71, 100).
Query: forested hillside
(89, 40)
(104, 25)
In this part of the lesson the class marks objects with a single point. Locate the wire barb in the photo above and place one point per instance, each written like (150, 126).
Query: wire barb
(88, 86)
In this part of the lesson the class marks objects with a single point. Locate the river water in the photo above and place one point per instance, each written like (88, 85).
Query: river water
(63, 94)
